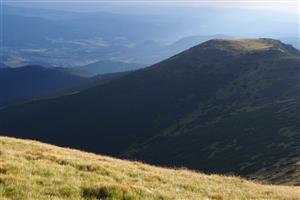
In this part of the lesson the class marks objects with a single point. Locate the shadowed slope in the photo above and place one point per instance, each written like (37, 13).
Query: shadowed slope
(222, 106)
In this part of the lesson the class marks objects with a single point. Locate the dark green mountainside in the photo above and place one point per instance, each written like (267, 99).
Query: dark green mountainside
(32, 81)
(2, 65)
(35, 82)
(226, 106)
(107, 66)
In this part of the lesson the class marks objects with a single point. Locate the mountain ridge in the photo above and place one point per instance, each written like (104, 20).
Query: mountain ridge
(193, 110)
(248, 45)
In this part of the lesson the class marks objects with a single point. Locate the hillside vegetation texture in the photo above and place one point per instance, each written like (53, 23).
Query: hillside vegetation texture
(33, 170)
(222, 107)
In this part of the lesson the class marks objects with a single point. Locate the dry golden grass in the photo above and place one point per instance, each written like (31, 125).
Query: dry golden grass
(251, 44)
(33, 170)
(246, 44)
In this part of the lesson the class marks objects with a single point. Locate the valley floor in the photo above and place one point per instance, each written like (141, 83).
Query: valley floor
(33, 170)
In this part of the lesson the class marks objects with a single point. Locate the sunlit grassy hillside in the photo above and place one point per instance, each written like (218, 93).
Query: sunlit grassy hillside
(33, 170)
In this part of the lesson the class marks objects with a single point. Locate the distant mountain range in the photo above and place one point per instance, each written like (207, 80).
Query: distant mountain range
(225, 106)
(66, 39)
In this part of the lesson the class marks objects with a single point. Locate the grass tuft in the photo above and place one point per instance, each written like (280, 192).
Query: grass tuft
(113, 192)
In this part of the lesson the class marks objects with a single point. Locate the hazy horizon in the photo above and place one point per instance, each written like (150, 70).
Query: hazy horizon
(289, 6)
(141, 32)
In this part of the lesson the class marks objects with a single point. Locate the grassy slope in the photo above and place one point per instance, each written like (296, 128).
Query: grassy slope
(33, 170)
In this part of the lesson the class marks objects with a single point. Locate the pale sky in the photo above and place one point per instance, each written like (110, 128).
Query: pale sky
(287, 6)
(290, 6)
